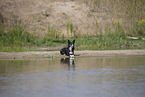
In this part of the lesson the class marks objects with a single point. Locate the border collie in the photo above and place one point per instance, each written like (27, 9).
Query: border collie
(68, 51)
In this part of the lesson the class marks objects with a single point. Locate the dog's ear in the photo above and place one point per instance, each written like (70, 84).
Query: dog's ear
(69, 41)
(73, 41)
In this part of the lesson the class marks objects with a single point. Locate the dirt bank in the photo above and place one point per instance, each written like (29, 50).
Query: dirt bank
(55, 54)
(35, 15)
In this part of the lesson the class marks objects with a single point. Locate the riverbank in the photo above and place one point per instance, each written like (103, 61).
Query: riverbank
(55, 54)
(95, 24)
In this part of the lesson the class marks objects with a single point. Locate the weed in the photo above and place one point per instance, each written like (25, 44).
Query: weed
(138, 29)
(72, 30)
(114, 38)
(18, 40)
(52, 32)
(45, 14)
(129, 12)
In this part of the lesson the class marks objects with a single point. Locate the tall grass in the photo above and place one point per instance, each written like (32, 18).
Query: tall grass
(16, 39)
(109, 41)
(129, 11)
(72, 30)
(114, 37)
(52, 32)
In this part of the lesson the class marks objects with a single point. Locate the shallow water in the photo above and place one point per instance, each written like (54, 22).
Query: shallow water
(79, 77)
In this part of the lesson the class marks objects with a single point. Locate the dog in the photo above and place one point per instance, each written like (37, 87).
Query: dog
(68, 51)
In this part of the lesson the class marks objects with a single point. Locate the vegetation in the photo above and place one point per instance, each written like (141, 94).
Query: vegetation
(130, 22)
(17, 40)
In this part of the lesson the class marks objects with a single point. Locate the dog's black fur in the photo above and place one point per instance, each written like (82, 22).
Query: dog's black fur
(68, 51)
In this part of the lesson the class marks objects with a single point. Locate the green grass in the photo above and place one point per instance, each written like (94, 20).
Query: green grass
(18, 40)
(108, 42)
(15, 39)
(128, 20)
(114, 38)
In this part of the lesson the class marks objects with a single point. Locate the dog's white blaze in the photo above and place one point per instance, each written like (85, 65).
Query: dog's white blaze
(70, 52)
(70, 49)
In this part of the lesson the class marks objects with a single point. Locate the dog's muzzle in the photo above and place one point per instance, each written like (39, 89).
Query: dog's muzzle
(71, 53)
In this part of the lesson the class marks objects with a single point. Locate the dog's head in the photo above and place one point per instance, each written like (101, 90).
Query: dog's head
(71, 47)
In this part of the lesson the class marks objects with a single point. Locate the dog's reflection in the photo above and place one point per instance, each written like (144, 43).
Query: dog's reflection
(69, 61)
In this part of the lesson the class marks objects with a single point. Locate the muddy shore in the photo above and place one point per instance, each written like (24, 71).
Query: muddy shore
(56, 54)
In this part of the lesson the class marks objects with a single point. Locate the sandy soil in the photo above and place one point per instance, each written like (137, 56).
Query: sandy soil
(34, 15)
(56, 54)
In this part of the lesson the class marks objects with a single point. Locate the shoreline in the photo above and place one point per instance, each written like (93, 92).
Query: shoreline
(55, 54)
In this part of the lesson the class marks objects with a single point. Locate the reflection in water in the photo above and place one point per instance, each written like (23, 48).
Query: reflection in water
(69, 62)
(87, 76)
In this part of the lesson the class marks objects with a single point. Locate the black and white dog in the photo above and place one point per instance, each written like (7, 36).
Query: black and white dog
(68, 51)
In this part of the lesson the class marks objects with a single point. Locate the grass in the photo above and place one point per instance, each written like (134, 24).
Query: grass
(114, 38)
(71, 30)
(108, 42)
(17, 40)
(13, 39)
(128, 12)
(128, 20)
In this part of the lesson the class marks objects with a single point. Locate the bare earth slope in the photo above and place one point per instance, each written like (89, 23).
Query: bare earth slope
(35, 15)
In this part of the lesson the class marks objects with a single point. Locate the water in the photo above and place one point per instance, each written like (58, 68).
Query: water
(79, 77)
